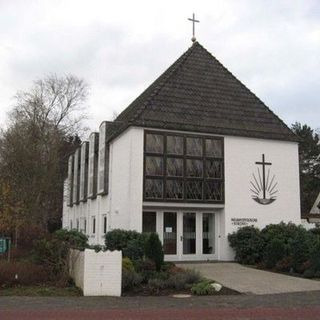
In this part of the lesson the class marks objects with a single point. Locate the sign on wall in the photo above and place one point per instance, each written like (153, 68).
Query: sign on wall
(263, 185)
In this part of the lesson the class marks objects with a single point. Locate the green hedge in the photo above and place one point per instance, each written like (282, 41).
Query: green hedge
(283, 247)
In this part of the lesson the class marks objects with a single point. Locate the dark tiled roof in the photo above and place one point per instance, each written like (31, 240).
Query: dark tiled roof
(197, 93)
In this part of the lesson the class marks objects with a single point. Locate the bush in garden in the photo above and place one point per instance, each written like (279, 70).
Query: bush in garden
(314, 256)
(147, 269)
(299, 249)
(127, 264)
(52, 252)
(248, 244)
(274, 251)
(203, 288)
(155, 285)
(130, 242)
(130, 279)
(183, 280)
(285, 264)
(154, 251)
(73, 238)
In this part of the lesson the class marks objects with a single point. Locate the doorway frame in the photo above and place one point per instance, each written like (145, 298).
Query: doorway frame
(198, 256)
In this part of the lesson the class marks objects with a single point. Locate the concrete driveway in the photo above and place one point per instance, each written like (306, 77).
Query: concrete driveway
(249, 280)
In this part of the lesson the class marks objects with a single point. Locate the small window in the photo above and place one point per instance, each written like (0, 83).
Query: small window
(85, 226)
(77, 224)
(93, 225)
(71, 225)
(104, 224)
(149, 222)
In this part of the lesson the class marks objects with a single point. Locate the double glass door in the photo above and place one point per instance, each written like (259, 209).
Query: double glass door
(188, 235)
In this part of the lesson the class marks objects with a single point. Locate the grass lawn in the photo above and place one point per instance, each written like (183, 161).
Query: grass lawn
(37, 291)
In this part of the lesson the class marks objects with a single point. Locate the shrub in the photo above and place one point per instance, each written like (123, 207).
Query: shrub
(146, 268)
(156, 285)
(130, 279)
(73, 238)
(284, 264)
(203, 288)
(52, 252)
(127, 264)
(27, 274)
(274, 252)
(314, 256)
(130, 242)
(154, 251)
(134, 249)
(183, 280)
(248, 244)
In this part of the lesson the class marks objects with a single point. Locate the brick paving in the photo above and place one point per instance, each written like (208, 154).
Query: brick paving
(299, 305)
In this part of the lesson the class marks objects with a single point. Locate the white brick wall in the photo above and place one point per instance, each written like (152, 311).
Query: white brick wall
(97, 274)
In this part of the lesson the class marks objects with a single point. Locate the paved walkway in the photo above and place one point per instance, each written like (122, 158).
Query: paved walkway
(249, 280)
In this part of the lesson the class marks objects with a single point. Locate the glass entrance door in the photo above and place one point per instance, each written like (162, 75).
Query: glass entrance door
(189, 233)
(170, 233)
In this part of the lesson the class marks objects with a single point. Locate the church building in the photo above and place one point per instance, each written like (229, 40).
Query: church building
(194, 157)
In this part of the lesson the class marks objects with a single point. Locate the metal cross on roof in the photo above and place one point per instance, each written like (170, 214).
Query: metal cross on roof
(193, 39)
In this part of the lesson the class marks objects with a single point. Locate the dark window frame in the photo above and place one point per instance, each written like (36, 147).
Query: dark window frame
(184, 178)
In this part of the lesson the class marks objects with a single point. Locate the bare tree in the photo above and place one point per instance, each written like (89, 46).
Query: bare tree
(43, 131)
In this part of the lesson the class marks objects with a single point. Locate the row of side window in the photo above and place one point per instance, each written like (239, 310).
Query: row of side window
(88, 168)
(93, 225)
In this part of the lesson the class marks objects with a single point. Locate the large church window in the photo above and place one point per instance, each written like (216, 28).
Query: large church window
(194, 146)
(183, 167)
(154, 143)
(214, 169)
(154, 166)
(153, 188)
(213, 190)
(214, 148)
(174, 189)
(194, 190)
(194, 168)
(175, 145)
(174, 167)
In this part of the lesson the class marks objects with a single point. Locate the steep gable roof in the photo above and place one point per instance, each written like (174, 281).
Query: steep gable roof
(197, 93)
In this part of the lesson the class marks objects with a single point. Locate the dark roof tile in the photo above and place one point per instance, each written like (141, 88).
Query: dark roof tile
(197, 93)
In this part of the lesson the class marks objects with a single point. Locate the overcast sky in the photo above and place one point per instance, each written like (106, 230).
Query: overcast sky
(120, 47)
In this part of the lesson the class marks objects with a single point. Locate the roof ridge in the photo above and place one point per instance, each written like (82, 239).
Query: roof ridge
(282, 122)
(155, 92)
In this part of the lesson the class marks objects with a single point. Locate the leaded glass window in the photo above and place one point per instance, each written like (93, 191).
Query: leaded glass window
(174, 189)
(194, 190)
(213, 168)
(154, 166)
(194, 168)
(183, 167)
(154, 143)
(175, 145)
(174, 167)
(214, 148)
(153, 188)
(213, 190)
(194, 146)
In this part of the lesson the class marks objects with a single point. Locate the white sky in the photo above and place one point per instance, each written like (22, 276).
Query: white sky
(120, 47)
